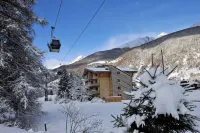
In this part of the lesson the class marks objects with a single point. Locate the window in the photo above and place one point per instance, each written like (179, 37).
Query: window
(119, 94)
(96, 74)
(96, 89)
(118, 80)
(118, 72)
(119, 88)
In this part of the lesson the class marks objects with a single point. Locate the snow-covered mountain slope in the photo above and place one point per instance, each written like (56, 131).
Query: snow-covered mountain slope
(77, 59)
(137, 42)
(180, 48)
(162, 34)
(196, 24)
(107, 55)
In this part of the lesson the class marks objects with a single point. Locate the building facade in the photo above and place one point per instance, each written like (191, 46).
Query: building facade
(108, 81)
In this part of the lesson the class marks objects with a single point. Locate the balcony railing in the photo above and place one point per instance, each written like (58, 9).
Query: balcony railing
(93, 92)
(92, 77)
(91, 84)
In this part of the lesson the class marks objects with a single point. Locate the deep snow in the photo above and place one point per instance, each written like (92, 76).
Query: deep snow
(56, 120)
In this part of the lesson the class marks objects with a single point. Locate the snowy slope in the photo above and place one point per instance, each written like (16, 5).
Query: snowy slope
(97, 63)
(180, 48)
(196, 24)
(137, 42)
(77, 59)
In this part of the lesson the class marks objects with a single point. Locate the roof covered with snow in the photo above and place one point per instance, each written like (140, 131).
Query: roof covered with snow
(127, 69)
(104, 69)
(94, 69)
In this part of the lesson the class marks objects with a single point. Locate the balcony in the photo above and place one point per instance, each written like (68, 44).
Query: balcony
(92, 77)
(93, 92)
(89, 84)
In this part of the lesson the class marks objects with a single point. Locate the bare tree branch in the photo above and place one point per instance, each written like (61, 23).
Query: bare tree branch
(172, 70)
(79, 122)
(148, 73)
(163, 62)
(154, 75)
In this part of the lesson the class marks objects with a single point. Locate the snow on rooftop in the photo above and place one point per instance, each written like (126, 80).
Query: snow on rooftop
(103, 69)
(127, 69)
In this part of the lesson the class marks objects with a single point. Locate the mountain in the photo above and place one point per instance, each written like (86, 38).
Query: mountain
(196, 24)
(137, 42)
(180, 48)
(105, 56)
(162, 34)
(77, 59)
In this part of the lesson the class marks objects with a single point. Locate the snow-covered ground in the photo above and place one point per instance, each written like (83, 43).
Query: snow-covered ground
(4, 129)
(55, 120)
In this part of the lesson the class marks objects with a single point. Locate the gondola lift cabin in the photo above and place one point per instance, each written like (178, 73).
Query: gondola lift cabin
(55, 44)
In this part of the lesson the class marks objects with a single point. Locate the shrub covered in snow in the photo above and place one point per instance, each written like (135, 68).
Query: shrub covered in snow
(97, 100)
(158, 105)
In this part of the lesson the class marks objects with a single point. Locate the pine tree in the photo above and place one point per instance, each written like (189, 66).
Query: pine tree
(71, 87)
(20, 62)
(158, 105)
(65, 85)
(78, 92)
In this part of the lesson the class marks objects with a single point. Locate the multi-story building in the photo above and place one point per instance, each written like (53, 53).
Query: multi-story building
(108, 81)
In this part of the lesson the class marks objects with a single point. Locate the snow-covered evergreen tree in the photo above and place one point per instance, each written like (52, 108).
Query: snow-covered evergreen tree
(65, 85)
(158, 105)
(79, 89)
(20, 62)
(71, 87)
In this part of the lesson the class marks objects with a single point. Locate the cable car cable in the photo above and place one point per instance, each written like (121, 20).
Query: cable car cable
(55, 44)
(84, 29)
(58, 14)
(53, 27)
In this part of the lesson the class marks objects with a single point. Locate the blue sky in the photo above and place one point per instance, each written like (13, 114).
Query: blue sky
(117, 22)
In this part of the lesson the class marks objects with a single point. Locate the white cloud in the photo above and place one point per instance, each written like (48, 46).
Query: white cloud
(116, 41)
(54, 63)
(161, 34)
(78, 58)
